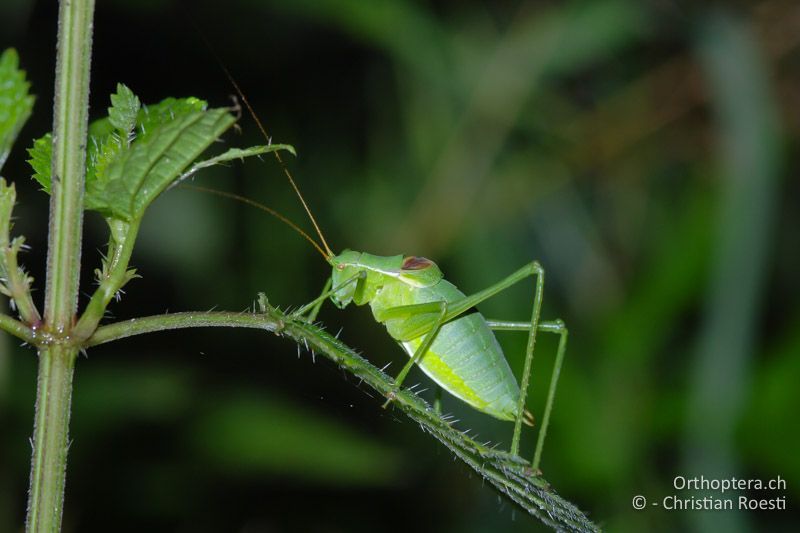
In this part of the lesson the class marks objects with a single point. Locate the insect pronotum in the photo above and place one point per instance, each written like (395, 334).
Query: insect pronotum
(434, 322)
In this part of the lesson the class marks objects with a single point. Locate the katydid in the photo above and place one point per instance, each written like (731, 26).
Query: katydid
(434, 322)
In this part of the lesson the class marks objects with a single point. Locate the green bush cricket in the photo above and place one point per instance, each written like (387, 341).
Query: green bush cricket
(434, 322)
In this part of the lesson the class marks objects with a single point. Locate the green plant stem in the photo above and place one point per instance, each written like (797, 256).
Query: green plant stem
(19, 285)
(512, 476)
(50, 434)
(16, 283)
(17, 328)
(56, 361)
(151, 324)
(112, 281)
(70, 124)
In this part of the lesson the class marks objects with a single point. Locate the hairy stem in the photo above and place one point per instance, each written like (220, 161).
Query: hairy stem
(50, 438)
(18, 284)
(512, 476)
(70, 124)
(113, 277)
(56, 361)
(15, 283)
(17, 328)
(151, 324)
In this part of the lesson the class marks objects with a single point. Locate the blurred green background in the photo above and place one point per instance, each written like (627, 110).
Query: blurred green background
(644, 152)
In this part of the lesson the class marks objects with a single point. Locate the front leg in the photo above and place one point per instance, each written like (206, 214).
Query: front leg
(440, 308)
(313, 307)
(316, 304)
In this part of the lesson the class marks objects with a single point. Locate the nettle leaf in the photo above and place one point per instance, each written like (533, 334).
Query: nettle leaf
(110, 136)
(170, 137)
(137, 152)
(41, 160)
(15, 102)
(124, 110)
(236, 153)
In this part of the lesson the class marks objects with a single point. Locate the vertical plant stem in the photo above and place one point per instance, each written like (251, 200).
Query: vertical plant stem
(50, 434)
(56, 362)
(70, 123)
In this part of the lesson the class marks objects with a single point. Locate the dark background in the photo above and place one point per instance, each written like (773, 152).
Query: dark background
(644, 152)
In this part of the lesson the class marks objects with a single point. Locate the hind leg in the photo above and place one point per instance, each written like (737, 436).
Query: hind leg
(556, 326)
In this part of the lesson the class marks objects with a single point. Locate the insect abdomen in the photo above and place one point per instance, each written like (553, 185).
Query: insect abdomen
(465, 359)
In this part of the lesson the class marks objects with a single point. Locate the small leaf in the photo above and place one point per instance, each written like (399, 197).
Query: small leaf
(8, 196)
(137, 152)
(237, 153)
(124, 111)
(123, 178)
(160, 153)
(167, 111)
(41, 160)
(15, 102)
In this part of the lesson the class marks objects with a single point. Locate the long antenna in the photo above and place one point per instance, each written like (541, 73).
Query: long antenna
(257, 205)
(288, 174)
